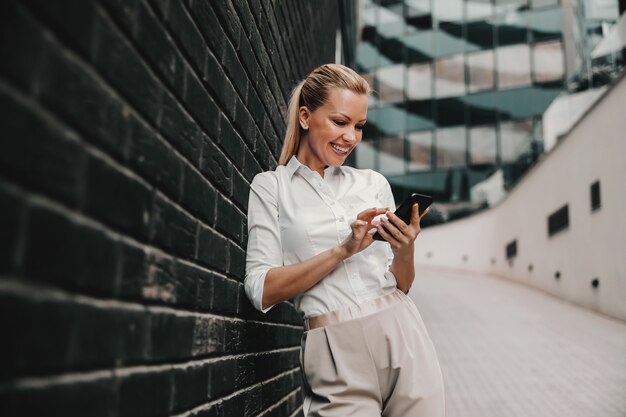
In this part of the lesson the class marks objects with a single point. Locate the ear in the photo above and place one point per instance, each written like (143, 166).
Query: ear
(303, 117)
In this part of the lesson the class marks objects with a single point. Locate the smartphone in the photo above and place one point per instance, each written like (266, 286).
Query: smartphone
(406, 208)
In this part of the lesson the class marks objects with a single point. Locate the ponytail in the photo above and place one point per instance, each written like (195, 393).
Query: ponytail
(292, 136)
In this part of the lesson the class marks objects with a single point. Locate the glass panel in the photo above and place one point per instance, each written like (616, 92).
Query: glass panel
(448, 10)
(419, 148)
(419, 79)
(418, 16)
(478, 9)
(419, 115)
(391, 155)
(507, 6)
(450, 76)
(546, 24)
(548, 61)
(391, 21)
(368, 16)
(512, 29)
(372, 99)
(480, 34)
(481, 107)
(513, 66)
(483, 145)
(419, 47)
(450, 147)
(543, 3)
(480, 71)
(515, 139)
(389, 120)
(447, 44)
(366, 154)
(391, 83)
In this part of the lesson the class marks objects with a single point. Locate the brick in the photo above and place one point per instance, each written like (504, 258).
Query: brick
(208, 336)
(230, 220)
(215, 79)
(116, 60)
(235, 70)
(11, 209)
(222, 377)
(201, 104)
(172, 229)
(95, 397)
(185, 32)
(191, 386)
(212, 249)
(158, 47)
(244, 122)
(71, 22)
(199, 196)
(171, 336)
(220, 295)
(63, 253)
(230, 22)
(209, 25)
(230, 141)
(116, 198)
(145, 394)
(180, 129)
(216, 167)
(152, 158)
(238, 262)
(37, 155)
(250, 166)
(21, 40)
(241, 191)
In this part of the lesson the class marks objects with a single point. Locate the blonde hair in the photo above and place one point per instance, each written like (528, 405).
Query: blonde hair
(312, 92)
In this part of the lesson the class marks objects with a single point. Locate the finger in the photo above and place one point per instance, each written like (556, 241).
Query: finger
(387, 236)
(397, 221)
(424, 213)
(392, 230)
(415, 216)
(370, 213)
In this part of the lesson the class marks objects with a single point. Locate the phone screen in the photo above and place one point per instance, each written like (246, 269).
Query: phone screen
(405, 209)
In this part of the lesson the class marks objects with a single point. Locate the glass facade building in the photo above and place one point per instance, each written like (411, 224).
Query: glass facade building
(460, 88)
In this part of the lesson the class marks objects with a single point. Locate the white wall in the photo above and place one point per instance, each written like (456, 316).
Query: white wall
(594, 245)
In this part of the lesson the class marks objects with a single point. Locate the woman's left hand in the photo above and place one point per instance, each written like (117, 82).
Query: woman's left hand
(399, 234)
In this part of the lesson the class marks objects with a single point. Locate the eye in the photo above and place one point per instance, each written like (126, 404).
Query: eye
(339, 122)
(360, 127)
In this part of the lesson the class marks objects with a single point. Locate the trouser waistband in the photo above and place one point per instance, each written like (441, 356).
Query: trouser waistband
(355, 311)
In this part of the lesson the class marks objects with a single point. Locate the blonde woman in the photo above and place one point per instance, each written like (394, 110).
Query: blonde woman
(365, 350)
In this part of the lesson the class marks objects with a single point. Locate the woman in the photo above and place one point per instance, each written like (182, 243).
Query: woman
(365, 350)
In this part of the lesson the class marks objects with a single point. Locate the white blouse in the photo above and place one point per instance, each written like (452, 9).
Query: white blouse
(294, 214)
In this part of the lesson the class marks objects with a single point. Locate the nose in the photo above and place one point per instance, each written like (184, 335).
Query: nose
(350, 136)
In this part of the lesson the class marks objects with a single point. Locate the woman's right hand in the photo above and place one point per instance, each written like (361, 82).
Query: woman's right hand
(360, 239)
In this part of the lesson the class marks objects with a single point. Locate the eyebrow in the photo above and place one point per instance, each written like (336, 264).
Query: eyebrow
(348, 117)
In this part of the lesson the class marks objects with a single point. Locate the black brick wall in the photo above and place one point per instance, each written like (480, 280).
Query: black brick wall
(130, 131)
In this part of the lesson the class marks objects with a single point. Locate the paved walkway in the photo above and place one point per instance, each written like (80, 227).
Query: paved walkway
(507, 350)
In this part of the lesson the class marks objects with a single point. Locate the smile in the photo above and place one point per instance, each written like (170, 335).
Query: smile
(339, 148)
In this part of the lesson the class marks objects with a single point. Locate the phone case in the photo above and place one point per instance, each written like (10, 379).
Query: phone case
(406, 208)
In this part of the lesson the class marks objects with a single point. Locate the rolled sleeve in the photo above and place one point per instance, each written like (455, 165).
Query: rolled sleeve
(264, 250)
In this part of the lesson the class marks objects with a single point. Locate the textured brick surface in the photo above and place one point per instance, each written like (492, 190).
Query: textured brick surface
(130, 132)
(509, 350)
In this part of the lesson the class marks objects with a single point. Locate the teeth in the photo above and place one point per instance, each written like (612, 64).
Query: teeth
(339, 148)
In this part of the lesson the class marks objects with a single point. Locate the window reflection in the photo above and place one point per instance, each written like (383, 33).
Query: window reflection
(543, 3)
(418, 14)
(366, 154)
(482, 145)
(513, 66)
(391, 156)
(419, 81)
(506, 6)
(450, 76)
(548, 61)
(515, 139)
(512, 29)
(419, 149)
(546, 24)
(478, 9)
(480, 71)
(448, 10)
(391, 20)
(391, 83)
(450, 147)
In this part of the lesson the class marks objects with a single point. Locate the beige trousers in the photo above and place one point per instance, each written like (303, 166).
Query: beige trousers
(374, 359)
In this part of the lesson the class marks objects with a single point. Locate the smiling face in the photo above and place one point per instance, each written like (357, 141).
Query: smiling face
(334, 129)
